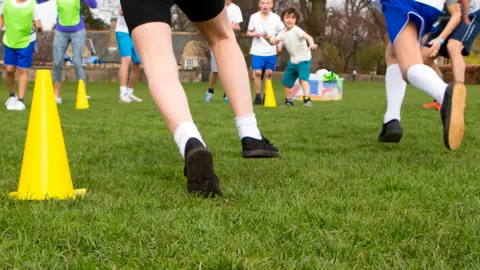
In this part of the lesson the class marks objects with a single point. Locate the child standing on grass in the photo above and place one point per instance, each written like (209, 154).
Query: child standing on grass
(295, 41)
(264, 55)
(18, 16)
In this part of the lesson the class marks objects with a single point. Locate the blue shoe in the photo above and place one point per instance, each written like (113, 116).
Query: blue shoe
(225, 98)
(208, 97)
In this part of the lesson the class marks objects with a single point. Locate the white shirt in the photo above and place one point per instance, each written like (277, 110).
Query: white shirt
(272, 26)
(234, 14)
(121, 25)
(295, 44)
(474, 6)
(36, 15)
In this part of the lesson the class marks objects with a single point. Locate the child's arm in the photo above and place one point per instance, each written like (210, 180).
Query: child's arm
(36, 19)
(311, 42)
(456, 16)
(271, 40)
(1, 17)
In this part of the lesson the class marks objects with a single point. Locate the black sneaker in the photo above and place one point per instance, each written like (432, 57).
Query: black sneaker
(452, 113)
(253, 148)
(258, 100)
(392, 132)
(288, 103)
(198, 169)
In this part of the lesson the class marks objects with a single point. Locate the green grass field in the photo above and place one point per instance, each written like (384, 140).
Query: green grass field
(334, 199)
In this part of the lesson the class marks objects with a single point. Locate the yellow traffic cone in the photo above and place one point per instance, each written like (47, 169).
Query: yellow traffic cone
(45, 171)
(82, 101)
(270, 95)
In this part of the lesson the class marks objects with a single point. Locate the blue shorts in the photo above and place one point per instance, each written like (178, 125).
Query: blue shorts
(399, 12)
(127, 49)
(296, 71)
(264, 62)
(465, 33)
(21, 58)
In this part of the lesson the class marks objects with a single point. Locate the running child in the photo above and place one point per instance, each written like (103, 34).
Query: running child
(149, 23)
(19, 17)
(407, 21)
(129, 54)
(295, 41)
(264, 55)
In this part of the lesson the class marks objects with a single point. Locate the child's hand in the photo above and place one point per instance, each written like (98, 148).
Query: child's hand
(313, 47)
(265, 36)
(258, 35)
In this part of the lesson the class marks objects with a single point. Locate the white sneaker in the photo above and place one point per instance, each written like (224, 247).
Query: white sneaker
(58, 100)
(17, 105)
(10, 101)
(125, 99)
(133, 97)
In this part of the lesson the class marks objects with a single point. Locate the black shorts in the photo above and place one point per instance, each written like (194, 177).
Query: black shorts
(138, 12)
(465, 33)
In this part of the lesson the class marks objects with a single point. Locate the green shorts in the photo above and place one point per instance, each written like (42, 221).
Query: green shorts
(296, 71)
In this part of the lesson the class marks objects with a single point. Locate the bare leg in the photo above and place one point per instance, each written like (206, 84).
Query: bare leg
(11, 78)
(257, 81)
(231, 63)
(134, 75)
(162, 76)
(123, 71)
(288, 92)
(212, 80)
(455, 48)
(306, 88)
(22, 82)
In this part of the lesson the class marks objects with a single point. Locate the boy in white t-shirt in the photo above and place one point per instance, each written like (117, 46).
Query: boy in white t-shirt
(235, 17)
(295, 41)
(19, 17)
(264, 55)
(128, 54)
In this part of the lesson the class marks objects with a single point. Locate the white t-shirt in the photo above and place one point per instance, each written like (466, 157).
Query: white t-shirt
(121, 25)
(474, 6)
(295, 44)
(36, 15)
(234, 14)
(272, 26)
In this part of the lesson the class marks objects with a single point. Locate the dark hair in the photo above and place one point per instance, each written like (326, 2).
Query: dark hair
(291, 10)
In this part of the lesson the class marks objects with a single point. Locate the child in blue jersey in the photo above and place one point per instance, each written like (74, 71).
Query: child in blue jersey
(407, 21)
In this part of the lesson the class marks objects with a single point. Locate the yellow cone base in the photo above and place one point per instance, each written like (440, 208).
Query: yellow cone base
(76, 193)
(270, 96)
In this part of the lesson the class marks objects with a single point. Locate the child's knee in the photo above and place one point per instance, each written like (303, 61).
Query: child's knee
(22, 71)
(268, 74)
(11, 70)
(257, 73)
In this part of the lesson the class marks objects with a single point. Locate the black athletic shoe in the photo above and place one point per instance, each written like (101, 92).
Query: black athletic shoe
(253, 148)
(201, 178)
(258, 100)
(452, 113)
(288, 103)
(392, 132)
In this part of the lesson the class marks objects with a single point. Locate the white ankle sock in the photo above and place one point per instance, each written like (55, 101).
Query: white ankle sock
(396, 87)
(129, 90)
(183, 133)
(424, 78)
(123, 90)
(247, 127)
